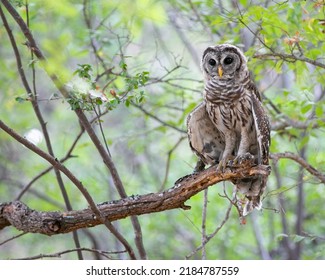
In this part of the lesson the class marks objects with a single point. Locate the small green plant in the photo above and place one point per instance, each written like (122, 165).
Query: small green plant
(84, 93)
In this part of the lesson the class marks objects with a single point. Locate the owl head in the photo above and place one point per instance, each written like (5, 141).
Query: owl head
(223, 61)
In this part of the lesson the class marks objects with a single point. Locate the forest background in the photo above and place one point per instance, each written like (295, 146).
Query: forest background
(131, 71)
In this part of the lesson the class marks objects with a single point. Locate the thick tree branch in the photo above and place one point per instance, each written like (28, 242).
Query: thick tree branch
(25, 219)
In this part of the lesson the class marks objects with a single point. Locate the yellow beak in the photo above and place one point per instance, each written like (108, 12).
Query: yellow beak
(220, 72)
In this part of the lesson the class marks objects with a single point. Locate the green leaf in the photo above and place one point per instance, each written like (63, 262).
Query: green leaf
(305, 109)
(123, 65)
(297, 238)
(20, 99)
(281, 236)
(304, 141)
(84, 71)
(127, 102)
(319, 111)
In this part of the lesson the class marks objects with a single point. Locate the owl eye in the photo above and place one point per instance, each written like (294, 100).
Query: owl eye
(212, 62)
(228, 60)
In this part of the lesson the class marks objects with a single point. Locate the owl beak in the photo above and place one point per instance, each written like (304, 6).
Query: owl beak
(220, 72)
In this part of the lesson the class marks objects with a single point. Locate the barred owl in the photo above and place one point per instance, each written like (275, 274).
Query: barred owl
(230, 124)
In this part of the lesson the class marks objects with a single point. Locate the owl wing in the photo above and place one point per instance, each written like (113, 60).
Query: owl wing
(262, 126)
(255, 187)
(204, 138)
(252, 88)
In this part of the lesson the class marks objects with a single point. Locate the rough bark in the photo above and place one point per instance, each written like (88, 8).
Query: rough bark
(23, 218)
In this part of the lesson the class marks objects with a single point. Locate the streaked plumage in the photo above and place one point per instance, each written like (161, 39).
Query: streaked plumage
(231, 122)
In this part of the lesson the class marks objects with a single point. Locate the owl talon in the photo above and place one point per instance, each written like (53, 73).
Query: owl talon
(199, 167)
(222, 166)
(244, 159)
(224, 163)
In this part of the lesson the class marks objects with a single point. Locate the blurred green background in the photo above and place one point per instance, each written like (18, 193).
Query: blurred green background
(148, 53)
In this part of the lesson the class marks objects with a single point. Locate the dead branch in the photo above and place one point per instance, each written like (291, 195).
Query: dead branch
(20, 216)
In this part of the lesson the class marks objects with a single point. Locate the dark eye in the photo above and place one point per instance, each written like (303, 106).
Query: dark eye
(228, 60)
(212, 62)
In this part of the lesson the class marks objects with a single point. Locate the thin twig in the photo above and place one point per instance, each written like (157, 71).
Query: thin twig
(289, 58)
(98, 114)
(12, 238)
(106, 254)
(169, 154)
(86, 16)
(312, 170)
(206, 28)
(157, 119)
(210, 236)
(187, 43)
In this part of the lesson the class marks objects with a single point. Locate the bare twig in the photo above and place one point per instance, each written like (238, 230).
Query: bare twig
(185, 40)
(12, 238)
(106, 254)
(210, 236)
(206, 28)
(93, 43)
(289, 58)
(312, 236)
(169, 154)
(157, 119)
(287, 122)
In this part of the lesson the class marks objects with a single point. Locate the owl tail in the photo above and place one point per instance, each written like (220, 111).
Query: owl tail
(251, 204)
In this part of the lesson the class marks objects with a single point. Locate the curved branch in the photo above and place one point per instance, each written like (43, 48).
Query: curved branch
(23, 218)
(287, 122)
(289, 58)
(312, 170)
